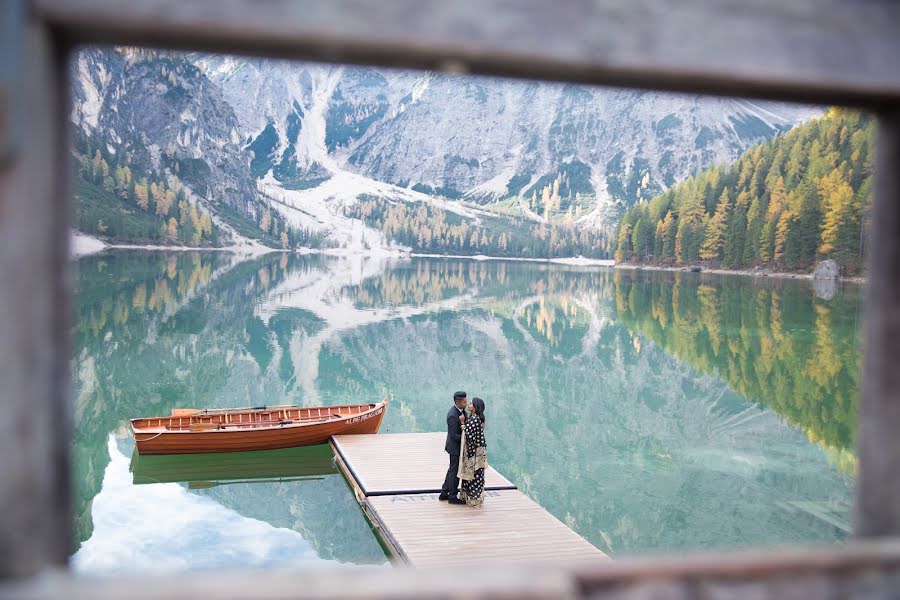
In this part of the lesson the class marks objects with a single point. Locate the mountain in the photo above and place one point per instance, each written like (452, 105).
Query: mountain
(683, 405)
(157, 115)
(162, 107)
(782, 205)
(306, 141)
(486, 139)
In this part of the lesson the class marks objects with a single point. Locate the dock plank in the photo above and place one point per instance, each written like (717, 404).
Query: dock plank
(402, 463)
(509, 527)
(394, 478)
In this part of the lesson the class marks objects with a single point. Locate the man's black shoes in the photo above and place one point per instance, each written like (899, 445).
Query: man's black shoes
(443, 497)
(455, 500)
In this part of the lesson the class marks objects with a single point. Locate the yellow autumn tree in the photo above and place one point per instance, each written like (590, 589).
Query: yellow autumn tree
(837, 198)
(154, 192)
(196, 224)
(140, 194)
(623, 248)
(165, 203)
(781, 234)
(172, 231)
(206, 224)
(714, 236)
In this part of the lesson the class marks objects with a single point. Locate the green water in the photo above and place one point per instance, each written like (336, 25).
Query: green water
(648, 411)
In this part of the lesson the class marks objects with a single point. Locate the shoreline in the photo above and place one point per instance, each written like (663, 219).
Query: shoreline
(577, 261)
(84, 245)
(746, 273)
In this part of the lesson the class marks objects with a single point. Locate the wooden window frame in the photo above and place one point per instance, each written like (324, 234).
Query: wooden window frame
(821, 51)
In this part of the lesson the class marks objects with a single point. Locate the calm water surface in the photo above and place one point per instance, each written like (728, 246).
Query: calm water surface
(648, 411)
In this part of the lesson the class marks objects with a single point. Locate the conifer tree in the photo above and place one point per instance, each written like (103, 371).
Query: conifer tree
(690, 229)
(639, 239)
(714, 236)
(736, 232)
(840, 223)
(623, 245)
(140, 194)
(671, 228)
(796, 197)
(659, 237)
(756, 217)
(777, 202)
(172, 231)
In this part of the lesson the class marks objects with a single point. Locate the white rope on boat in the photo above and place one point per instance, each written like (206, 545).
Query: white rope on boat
(153, 438)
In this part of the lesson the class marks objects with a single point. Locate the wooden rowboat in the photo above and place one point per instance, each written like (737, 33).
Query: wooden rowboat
(190, 431)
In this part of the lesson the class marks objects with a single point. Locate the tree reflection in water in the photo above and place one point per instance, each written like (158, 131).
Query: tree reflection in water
(648, 411)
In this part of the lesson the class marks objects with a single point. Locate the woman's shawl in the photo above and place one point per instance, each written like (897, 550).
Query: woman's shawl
(473, 451)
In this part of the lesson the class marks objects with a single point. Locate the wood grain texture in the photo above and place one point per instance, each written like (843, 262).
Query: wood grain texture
(35, 524)
(357, 584)
(854, 570)
(508, 528)
(259, 431)
(396, 479)
(877, 506)
(815, 50)
(12, 20)
(399, 463)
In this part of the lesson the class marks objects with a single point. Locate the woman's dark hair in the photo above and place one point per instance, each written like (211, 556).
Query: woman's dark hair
(478, 403)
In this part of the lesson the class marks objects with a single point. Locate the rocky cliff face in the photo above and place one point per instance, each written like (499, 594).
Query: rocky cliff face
(288, 129)
(486, 139)
(161, 112)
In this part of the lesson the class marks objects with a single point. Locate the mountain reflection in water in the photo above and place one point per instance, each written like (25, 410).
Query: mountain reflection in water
(648, 411)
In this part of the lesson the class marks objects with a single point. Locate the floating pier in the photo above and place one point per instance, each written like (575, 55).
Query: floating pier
(397, 479)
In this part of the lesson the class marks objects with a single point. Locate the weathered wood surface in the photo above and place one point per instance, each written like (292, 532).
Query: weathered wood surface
(508, 528)
(825, 51)
(396, 478)
(818, 50)
(344, 583)
(35, 524)
(402, 463)
(854, 570)
(12, 20)
(877, 507)
(770, 565)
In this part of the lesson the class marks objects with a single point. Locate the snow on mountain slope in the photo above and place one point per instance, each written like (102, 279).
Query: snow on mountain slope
(313, 138)
(485, 139)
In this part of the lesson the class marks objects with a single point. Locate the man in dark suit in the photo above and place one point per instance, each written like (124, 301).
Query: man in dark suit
(454, 438)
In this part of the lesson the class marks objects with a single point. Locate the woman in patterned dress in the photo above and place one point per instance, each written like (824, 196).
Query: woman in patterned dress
(473, 455)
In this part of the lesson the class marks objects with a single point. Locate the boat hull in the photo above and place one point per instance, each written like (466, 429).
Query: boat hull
(262, 438)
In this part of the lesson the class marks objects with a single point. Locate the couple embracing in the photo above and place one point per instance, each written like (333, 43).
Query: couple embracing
(468, 453)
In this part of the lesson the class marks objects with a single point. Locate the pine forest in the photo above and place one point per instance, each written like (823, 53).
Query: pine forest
(784, 205)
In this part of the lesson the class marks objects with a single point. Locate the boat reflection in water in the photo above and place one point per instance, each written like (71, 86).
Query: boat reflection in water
(210, 470)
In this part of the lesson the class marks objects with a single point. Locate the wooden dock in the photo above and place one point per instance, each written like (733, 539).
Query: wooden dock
(397, 478)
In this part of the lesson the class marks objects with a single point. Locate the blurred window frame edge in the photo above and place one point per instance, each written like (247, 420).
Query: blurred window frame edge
(34, 98)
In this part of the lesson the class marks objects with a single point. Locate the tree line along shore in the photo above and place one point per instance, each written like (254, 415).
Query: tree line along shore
(782, 206)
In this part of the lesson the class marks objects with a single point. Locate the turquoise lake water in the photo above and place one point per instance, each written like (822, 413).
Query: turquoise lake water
(650, 412)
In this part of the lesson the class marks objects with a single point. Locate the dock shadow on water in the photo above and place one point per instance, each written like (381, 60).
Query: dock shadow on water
(647, 411)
